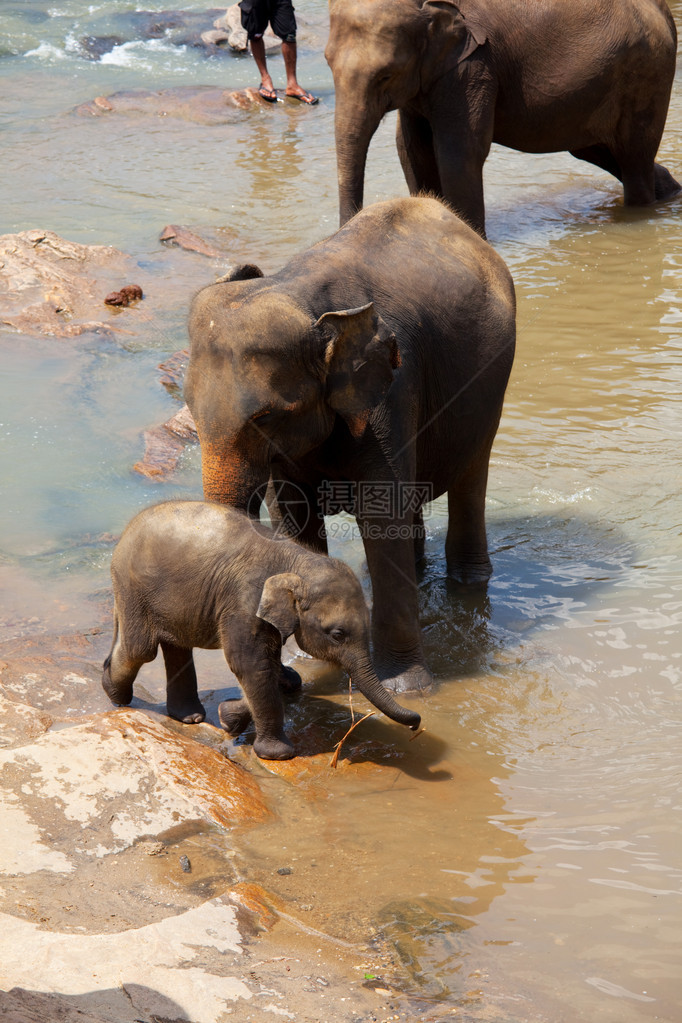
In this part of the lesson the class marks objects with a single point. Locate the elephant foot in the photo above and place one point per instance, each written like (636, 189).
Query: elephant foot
(665, 184)
(234, 716)
(121, 693)
(471, 574)
(289, 680)
(412, 678)
(190, 713)
(271, 748)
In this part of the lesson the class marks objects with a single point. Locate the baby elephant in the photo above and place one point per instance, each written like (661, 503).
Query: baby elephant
(190, 574)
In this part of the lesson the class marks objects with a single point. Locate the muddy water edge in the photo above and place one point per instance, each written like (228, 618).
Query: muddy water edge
(520, 860)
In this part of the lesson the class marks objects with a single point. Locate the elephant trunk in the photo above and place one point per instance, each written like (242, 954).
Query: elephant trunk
(366, 680)
(354, 130)
(228, 479)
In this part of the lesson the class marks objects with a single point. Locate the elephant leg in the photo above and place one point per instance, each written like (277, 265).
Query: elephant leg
(466, 543)
(255, 659)
(419, 536)
(599, 156)
(121, 667)
(644, 181)
(635, 173)
(666, 185)
(462, 126)
(397, 648)
(414, 142)
(289, 680)
(182, 697)
(235, 716)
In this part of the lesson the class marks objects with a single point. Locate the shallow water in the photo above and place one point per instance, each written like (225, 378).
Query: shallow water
(523, 858)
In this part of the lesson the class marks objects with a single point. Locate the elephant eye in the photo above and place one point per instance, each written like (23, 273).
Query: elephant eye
(338, 634)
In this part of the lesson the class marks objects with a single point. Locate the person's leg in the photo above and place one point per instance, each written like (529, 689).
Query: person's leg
(258, 52)
(283, 21)
(254, 17)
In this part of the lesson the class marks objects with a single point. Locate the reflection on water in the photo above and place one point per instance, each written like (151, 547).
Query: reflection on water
(520, 860)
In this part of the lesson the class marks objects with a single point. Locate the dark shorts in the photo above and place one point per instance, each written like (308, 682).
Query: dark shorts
(279, 14)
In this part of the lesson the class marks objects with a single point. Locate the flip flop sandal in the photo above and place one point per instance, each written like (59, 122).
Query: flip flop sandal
(303, 97)
(269, 95)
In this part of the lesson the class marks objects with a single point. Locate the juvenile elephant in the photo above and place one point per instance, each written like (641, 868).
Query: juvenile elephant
(591, 77)
(187, 574)
(368, 375)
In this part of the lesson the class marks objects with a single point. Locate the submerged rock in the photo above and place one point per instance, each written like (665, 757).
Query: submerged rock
(174, 234)
(427, 936)
(173, 369)
(164, 444)
(201, 104)
(49, 285)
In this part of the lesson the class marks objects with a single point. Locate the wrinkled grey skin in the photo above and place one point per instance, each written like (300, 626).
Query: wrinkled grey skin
(379, 356)
(591, 77)
(188, 574)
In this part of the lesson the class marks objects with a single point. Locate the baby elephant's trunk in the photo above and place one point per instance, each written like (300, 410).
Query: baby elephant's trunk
(369, 685)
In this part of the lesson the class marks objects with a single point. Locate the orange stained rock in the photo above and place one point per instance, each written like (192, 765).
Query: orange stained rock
(259, 902)
(222, 791)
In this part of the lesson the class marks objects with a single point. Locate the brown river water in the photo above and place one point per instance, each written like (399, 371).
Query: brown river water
(523, 861)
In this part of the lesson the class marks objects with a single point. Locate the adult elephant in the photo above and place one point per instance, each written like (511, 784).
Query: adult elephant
(367, 375)
(592, 77)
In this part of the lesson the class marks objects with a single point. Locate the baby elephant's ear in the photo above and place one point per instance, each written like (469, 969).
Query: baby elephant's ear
(279, 602)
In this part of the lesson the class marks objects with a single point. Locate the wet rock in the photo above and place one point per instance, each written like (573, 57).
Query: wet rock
(98, 787)
(179, 28)
(427, 936)
(215, 37)
(164, 444)
(102, 102)
(20, 723)
(201, 104)
(49, 285)
(174, 234)
(57, 675)
(263, 905)
(173, 369)
(94, 47)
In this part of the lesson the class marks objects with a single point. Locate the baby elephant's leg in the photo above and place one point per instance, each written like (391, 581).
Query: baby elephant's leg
(289, 680)
(182, 697)
(120, 669)
(255, 658)
(235, 716)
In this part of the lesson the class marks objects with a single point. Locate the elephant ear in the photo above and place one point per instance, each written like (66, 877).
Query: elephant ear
(448, 21)
(280, 600)
(360, 358)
